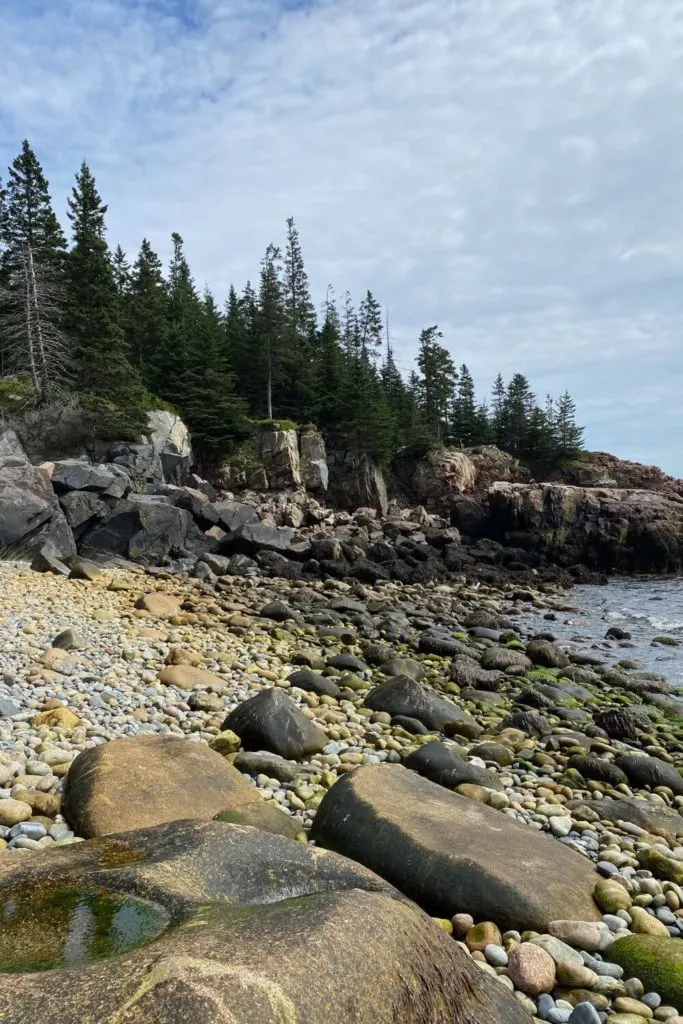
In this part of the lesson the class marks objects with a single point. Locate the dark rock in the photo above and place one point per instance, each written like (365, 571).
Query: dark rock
(546, 654)
(441, 764)
(453, 855)
(233, 514)
(642, 770)
(378, 654)
(47, 559)
(592, 767)
(616, 633)
(496, 752)
(468, 673)
(533, 699)
(528, 722)
(347, 663)
(144, 531)
(278, 611)
(79, 475)
(410, 725)
(272, 721)
(262, 762)
(82, 507)
(502, 658)
(405, 696)
(620, 723)
(142, 462)
(440, 645)
(314, 683)
(251, 538)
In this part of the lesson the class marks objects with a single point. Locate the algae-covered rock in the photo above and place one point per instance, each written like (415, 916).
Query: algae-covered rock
(661, 866)
(656, 961)
(259, 930)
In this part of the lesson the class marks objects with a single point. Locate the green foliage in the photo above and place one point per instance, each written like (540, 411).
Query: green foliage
(16, 395)
(279, 424)
(138, 339)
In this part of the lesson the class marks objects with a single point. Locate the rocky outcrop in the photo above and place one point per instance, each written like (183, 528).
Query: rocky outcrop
(356, 482)
(278, 451)
(599, 469)
(453, 855)
(238, 927)
(170, 439)
(30, 514)
(609, 529)
(441, 477)
(314, 472)
(146, 528)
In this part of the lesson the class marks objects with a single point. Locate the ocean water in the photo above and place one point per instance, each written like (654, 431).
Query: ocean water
(646, 608)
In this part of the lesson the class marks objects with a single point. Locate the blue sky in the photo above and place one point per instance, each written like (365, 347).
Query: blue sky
(509, 169)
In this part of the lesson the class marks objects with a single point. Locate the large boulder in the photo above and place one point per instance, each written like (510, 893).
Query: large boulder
(656, 961)
(653, 816)
(355, 481)
(142, 461)
(233, 514)
(263, 930)
(11, 449)
(81, 475)
(272, 721)
(145, 528)
(29, 512)
(250, 538)
(453, 855)
(146, 780)
(440, 475)
(170, 439)
(278, 451)
(313, 459)
(642, 770)
(403, 695)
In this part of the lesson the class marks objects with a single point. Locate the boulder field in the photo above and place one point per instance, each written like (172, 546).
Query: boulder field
(274, 800)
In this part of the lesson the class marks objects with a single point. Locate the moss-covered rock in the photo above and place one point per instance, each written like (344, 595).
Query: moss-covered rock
(657, 962)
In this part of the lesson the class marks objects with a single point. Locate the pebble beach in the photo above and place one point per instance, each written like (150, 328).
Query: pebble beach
(127, 653)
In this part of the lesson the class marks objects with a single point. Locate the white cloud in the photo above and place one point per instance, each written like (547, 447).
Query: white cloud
(512, 169)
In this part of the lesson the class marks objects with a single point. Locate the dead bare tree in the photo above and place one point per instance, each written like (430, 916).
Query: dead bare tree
(30, 326)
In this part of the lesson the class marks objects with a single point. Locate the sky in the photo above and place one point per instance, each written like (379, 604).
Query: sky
(511, 170)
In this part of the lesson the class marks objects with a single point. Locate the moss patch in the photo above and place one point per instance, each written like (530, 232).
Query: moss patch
(657, 962)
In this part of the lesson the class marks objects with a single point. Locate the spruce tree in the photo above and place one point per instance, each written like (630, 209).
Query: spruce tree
(122, 274)
(27, 217)
(438, 380)
(567, 435)
(216, 417)
(331, 398)
(147, 321)
(296, 357)
(104, 375)
(465, 426)
(370, 327)
(519, 405)
(268, 330)
(169, 364)
(498, 410)
(247, 355)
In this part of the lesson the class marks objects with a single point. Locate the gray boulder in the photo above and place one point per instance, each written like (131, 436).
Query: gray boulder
(145, 531)
(405, 696)
(453, 855)
(81, 475)
(29, 513)
(272, 721)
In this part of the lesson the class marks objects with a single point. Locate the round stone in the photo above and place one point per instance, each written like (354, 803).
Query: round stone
(531, 969)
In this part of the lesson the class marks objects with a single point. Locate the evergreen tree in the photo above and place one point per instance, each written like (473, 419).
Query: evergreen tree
(498, 410)
(32, 249)
(296, 369)
(122, 274)
(438, 380)
(568, 436)
(519, 405)
(147, 321)
(370, 327)
(27, 217)
(465, 427)
(104, 372)
(269, 329)
(171, 358)
(330, 409)
(216, 417)
(246, 351)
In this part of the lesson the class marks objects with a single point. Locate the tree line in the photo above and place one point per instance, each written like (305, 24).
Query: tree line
(81, 320)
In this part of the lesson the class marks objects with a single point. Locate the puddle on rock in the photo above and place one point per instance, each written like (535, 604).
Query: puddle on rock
(71, 927)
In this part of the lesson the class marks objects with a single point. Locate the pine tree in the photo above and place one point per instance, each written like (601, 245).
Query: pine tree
(465, 426)
(217, 418)
(104, 372)
(121, 271)
(567, 435)
(519, 405)
(296, 357)
(147, 321)
(370, 327)
(27, 217)
(498, 410)
(32, 249)
(247, 354)
(438, 380)
(269, 328)
(330, 409)
(170, 361)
